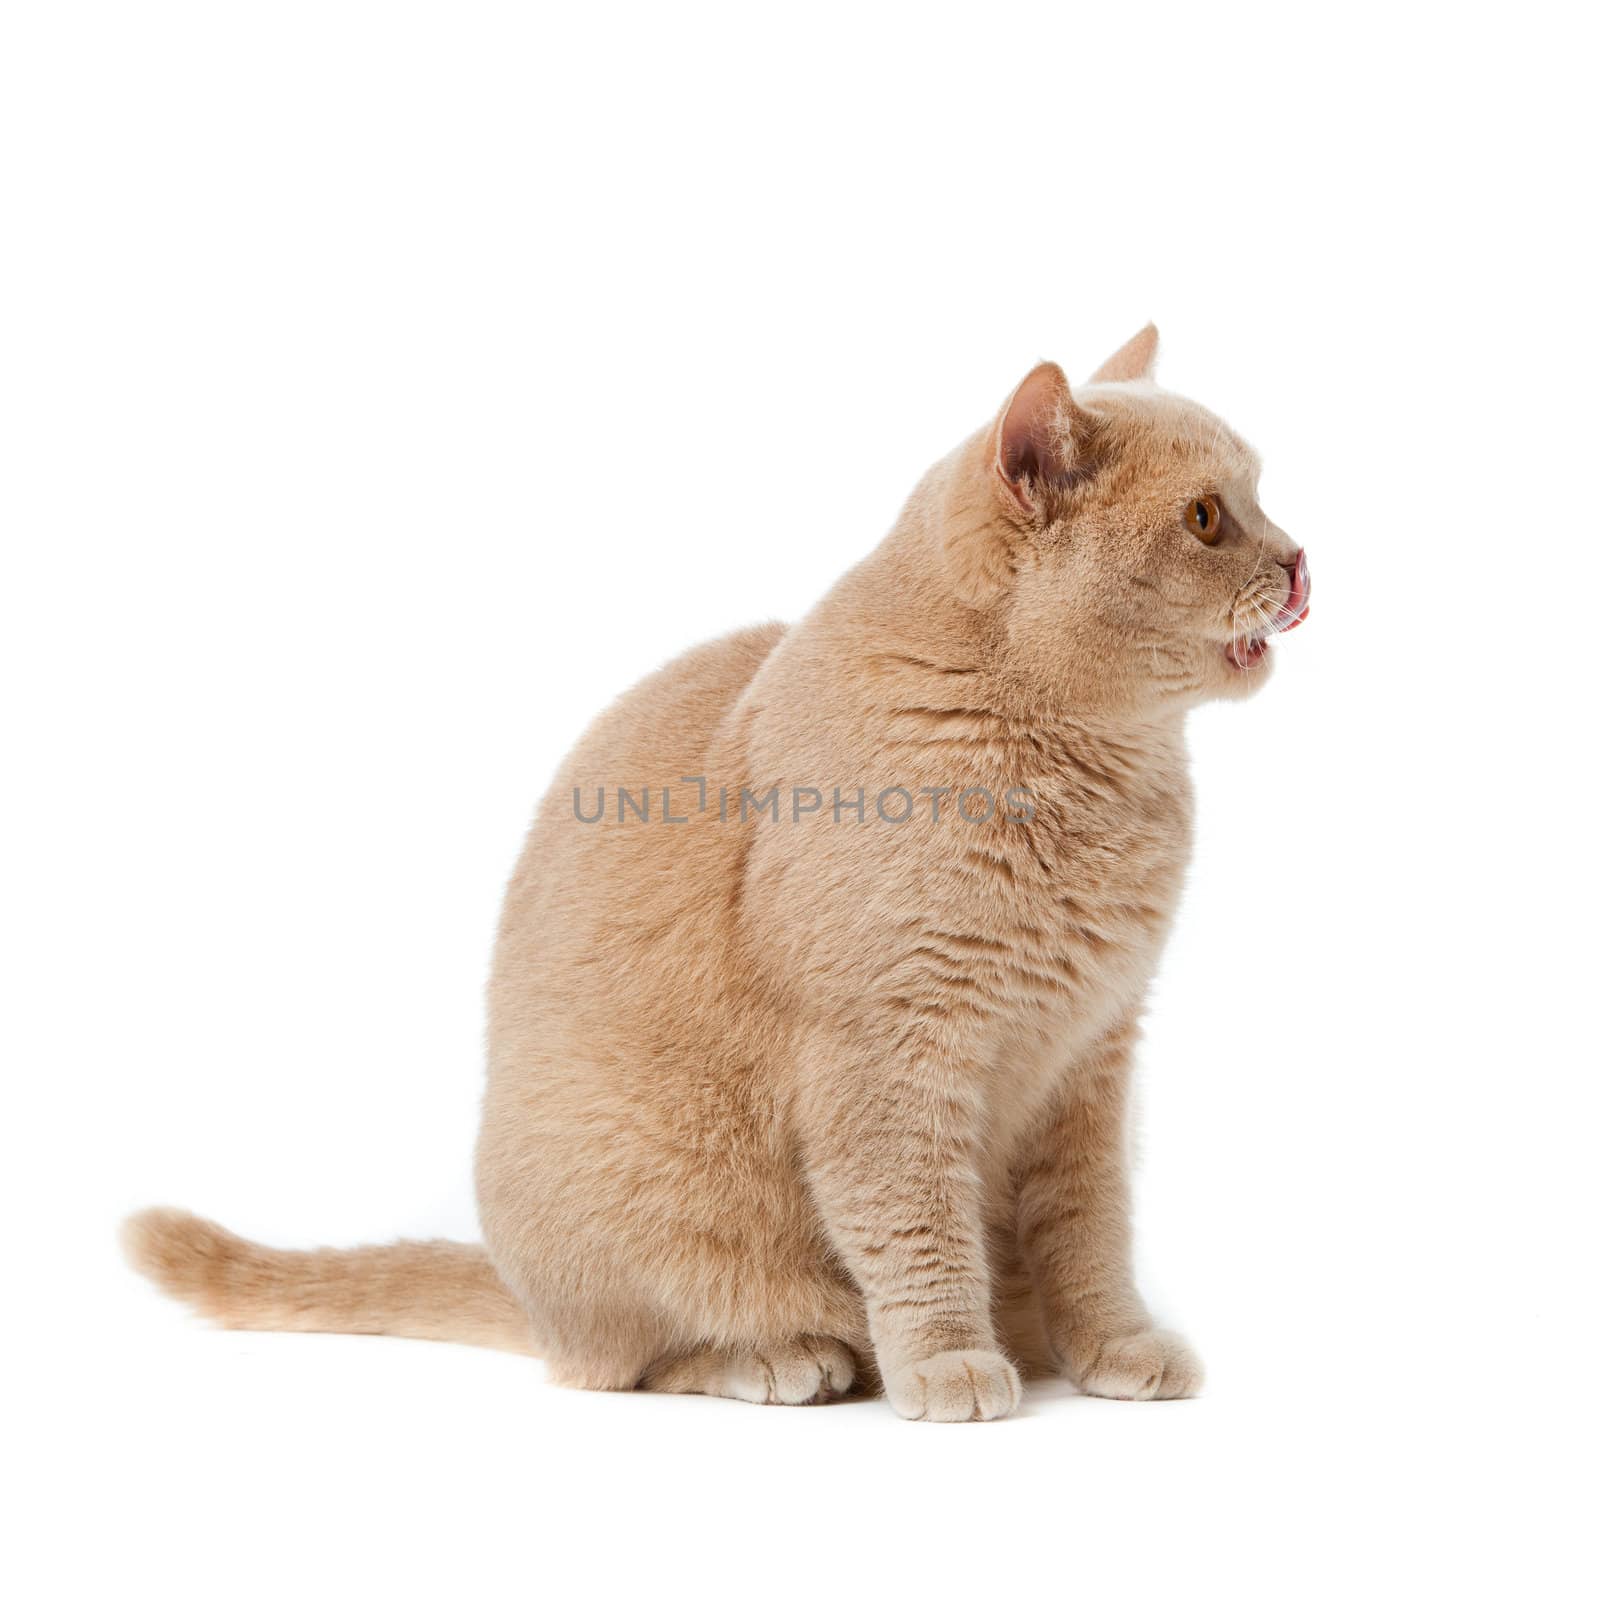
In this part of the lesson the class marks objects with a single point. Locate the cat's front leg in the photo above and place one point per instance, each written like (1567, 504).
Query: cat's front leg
(891, 1151)
(1074, 1230)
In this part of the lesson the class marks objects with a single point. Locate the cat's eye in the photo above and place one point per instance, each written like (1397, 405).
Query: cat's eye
(1203, 518)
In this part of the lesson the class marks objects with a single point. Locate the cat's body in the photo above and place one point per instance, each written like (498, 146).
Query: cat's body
(783, 1091)
(674, 1006)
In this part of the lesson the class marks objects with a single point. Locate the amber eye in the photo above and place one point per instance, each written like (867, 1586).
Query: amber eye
(1203, 518)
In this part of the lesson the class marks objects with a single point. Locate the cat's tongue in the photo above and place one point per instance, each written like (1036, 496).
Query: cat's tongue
(1298, 606)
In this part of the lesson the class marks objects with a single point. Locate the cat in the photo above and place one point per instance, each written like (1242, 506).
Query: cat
(808, 1067)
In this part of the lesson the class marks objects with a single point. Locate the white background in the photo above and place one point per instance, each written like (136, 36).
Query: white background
(385, 387)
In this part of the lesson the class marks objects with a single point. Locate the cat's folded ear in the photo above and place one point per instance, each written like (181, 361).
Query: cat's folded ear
(1136, 359)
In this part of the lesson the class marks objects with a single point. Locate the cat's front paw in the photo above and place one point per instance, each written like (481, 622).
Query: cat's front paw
(1150, 1365)
(955, 1386)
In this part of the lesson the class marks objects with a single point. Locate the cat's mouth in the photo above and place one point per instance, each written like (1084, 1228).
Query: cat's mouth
(1251, 650)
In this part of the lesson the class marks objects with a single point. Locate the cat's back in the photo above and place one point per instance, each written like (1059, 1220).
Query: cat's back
(613, 868)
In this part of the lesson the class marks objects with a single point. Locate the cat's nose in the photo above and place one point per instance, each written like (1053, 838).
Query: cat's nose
(1297, 607)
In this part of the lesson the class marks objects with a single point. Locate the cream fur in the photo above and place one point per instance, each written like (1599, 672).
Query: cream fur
(777, 1107)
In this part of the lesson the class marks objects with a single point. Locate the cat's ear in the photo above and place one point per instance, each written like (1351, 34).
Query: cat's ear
(1136, 359)
(1034, 443)
(1033, 448)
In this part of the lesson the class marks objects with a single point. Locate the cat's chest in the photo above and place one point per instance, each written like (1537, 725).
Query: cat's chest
(1077, 905)
(1081, 948)
(1095, 913)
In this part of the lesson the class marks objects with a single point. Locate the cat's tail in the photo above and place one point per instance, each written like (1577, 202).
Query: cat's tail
(416, 1290)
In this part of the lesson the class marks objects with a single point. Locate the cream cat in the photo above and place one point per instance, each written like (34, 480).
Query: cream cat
(787, 1094)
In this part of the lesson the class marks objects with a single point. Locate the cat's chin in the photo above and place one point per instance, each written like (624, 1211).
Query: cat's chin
(1245, 655)
(1243, 667)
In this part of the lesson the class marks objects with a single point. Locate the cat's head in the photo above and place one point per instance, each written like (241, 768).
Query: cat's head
(1115, 537)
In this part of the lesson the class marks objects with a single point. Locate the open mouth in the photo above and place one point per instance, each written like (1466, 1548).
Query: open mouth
(1251, 650)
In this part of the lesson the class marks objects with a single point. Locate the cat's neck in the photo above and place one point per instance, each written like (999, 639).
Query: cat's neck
(896, 624)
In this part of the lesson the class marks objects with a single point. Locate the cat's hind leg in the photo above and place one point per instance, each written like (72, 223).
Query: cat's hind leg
(792, 1372)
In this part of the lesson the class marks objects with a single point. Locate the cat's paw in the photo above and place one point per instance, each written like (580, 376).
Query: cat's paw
(793, 1374)
(1150, 1365)
(956, 1386)
(788, 1372)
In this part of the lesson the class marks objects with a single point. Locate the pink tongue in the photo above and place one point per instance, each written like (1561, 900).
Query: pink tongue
(1298, 605)
(1248, 653)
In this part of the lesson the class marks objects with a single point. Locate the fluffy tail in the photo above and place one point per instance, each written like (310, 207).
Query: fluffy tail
(433, 1290)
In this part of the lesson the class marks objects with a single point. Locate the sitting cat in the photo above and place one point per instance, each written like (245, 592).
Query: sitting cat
(817, 985)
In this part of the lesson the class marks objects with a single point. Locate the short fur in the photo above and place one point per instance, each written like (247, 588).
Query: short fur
(779, 1107)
